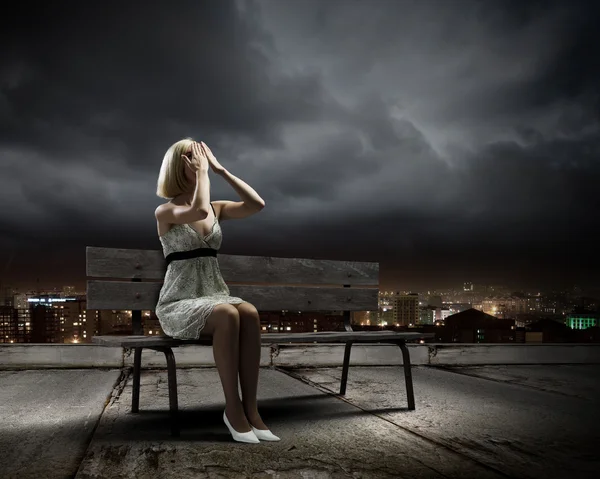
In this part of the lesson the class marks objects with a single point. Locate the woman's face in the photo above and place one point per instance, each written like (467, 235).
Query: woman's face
(189, 173)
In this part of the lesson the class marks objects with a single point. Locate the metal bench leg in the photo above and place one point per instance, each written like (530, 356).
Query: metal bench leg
(137, 363)
(172, 374)
(407, 375)
(345, 368)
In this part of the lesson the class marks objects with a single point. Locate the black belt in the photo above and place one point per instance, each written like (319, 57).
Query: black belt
(194, 253)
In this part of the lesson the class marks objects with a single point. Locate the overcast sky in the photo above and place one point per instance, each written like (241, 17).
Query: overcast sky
(448, 140)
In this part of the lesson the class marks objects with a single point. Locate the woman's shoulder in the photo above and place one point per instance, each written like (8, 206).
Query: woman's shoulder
(174, 202)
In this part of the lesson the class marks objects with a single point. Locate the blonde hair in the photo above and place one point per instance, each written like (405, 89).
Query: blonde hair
(171, 179)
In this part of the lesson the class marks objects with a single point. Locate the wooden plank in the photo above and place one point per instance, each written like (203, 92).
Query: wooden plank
(266, 338)
(146, 341)
(144, 296)
(151, 264)
(341, 336)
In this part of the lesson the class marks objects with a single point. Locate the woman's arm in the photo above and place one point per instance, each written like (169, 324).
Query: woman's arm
(201, 199)
(250, 197)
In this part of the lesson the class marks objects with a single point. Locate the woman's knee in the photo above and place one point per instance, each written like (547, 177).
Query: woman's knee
(229, 316)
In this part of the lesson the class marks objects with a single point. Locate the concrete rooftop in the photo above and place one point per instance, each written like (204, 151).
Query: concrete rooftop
(65, 412)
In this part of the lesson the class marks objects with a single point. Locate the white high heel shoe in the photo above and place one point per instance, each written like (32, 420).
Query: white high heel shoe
(240, 436)
(264, 435)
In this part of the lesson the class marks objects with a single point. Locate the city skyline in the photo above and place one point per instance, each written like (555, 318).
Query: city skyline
(448, 141)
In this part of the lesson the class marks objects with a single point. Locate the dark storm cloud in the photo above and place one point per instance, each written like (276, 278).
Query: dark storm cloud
(502, 98)
(103, 89)
(447, 133)
(117, 75)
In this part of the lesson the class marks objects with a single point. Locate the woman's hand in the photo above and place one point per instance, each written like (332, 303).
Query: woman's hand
(199, 160)
(214, 164)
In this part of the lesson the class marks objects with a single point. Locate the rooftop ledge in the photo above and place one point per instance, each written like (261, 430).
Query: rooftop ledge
(293, 355)
(482, 411)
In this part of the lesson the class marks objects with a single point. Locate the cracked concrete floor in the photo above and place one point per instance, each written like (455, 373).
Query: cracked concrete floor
(322, 437)
(476, 422)
(526, 421)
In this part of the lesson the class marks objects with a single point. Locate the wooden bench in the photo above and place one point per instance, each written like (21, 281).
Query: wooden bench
(286, 291)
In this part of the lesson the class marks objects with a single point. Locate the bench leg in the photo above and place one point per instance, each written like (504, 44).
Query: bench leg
(407, 375)
(172, 374)
(137, 363)
(345, 368)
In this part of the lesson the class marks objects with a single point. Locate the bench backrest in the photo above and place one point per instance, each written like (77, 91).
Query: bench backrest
(132, 280)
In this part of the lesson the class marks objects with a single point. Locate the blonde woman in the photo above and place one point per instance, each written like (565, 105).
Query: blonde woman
(194, 301)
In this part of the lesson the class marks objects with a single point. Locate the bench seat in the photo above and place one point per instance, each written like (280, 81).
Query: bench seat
(266, 338)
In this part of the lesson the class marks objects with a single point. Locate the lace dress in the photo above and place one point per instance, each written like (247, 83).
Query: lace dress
(192, 287)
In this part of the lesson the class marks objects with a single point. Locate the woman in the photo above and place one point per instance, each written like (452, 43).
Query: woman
(194, 301)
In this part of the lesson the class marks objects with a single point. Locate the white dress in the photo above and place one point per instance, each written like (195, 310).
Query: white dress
(192, 287)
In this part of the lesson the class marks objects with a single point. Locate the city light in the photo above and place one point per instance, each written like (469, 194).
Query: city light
(397, 309)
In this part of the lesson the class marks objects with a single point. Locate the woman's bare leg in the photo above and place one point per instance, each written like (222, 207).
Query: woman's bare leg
(249, 365)
(224, 325)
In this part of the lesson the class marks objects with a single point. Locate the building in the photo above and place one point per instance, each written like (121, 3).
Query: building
(582, 320)
(474, 326)
(406, 309)
(46, 318)
(427, 315)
